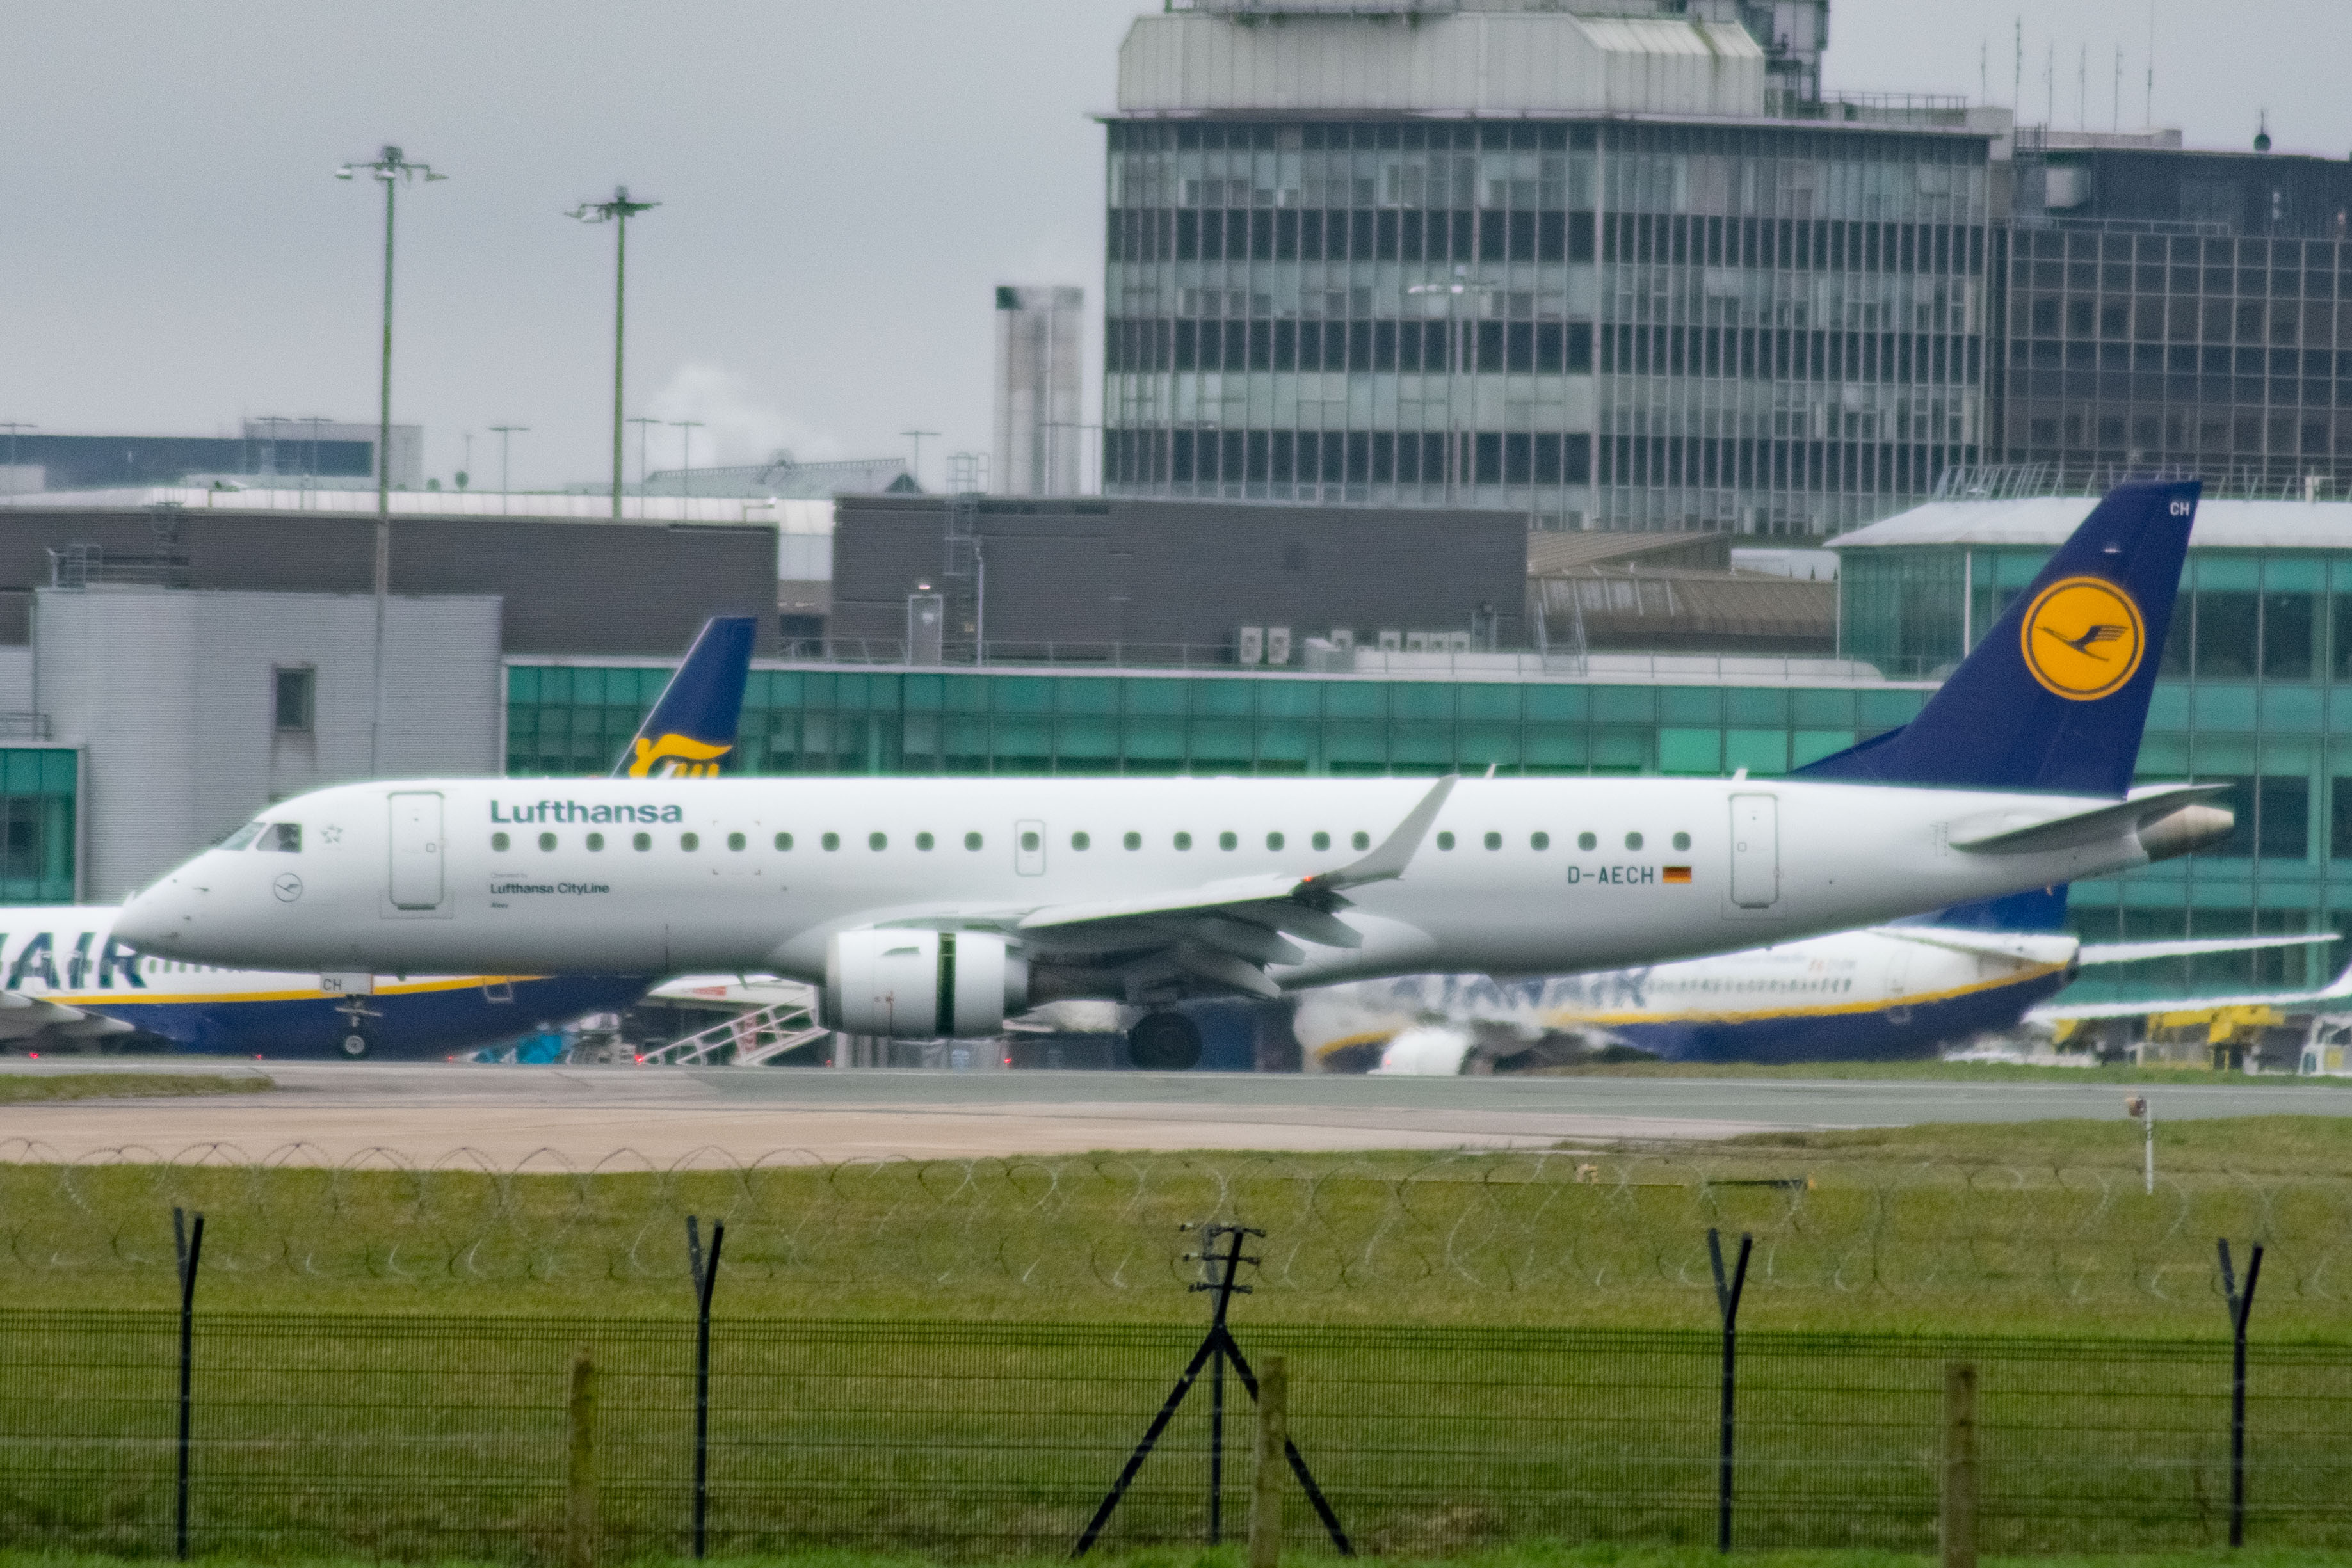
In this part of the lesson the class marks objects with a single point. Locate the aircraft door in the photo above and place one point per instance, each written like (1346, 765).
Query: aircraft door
(1755, 850)
(1029, 848)
(417, 849)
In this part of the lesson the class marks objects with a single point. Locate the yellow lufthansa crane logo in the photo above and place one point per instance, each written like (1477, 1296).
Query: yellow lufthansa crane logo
(2083, 638)
(676, 756)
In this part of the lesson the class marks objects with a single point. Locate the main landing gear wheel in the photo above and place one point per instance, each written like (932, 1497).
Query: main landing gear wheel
(1164, 1043)
(354, 1046)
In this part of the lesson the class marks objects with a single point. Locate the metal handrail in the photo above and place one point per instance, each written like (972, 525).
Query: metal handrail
(748, 1040)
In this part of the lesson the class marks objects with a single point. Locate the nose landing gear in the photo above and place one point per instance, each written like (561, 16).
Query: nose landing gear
(360, 1022)
(1164, 1043)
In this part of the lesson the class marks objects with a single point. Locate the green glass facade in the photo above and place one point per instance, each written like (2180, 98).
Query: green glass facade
(575, 720)
(39, 788)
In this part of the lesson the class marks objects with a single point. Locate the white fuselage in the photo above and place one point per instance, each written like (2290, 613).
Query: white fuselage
(1821, 981)
(1516, 876)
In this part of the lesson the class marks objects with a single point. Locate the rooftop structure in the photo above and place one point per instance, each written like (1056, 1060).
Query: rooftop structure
(307, 452)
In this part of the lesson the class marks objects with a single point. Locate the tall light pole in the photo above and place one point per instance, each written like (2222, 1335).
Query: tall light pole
(314, 421)
(617, 213)
(916, 437)
(1452, 293)
(645, 423)
(685, 429)
(505, 434)
(12, 426)
(392, 170)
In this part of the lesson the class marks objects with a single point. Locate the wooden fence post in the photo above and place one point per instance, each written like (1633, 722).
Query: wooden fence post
(579, 1478)
(1265, 1477)
(1958, 1516)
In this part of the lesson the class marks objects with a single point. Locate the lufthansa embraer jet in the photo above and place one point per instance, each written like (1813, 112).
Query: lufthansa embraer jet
(929, 907)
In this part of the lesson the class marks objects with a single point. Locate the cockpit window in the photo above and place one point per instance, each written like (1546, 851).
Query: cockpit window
(242, 837)
(285, 838)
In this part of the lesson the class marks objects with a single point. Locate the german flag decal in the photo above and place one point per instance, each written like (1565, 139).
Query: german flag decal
(1678, 873)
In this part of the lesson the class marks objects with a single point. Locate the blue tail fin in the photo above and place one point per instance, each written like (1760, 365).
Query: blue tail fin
(2056, 695)
(693, 726)
(2037, 909)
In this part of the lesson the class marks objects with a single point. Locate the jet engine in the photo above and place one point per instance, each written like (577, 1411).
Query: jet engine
(922, 985)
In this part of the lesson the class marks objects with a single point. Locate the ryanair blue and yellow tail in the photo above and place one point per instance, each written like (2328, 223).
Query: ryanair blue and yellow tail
(693, 727)
(2055, 697)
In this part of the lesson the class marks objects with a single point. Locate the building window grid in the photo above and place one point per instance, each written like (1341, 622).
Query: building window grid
(2229, 353)
(1277, 182)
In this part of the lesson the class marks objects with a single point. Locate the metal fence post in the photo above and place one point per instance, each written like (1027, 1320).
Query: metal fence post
(1726, 1298)
(579, 1476)
(1265, 1476)
(1957, 1525)
(2242, 1307)
(188, 1246)
(706, 1279)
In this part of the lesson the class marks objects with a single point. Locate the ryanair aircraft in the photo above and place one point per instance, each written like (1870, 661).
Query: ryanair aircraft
(65, 975)
(1885, 994)
(931, 907)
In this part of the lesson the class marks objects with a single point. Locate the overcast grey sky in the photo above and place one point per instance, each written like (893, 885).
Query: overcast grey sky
(841, 186)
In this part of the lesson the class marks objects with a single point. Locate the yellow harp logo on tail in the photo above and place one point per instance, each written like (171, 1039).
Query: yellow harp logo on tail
(676, 756)
(2083, 638)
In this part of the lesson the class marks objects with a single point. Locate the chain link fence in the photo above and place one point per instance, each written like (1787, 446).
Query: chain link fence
(454, 1438)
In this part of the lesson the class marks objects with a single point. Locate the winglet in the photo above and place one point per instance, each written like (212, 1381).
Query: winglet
(1386, 862)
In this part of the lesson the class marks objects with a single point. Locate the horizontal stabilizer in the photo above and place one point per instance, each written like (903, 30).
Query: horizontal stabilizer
(2004, 834)
(2137, 952)
(2281, 1001)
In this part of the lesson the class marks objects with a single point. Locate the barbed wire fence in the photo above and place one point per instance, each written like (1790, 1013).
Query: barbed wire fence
(1510, 1236)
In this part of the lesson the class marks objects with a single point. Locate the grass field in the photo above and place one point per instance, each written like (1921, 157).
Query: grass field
(20, 1087)
(2022, 1228)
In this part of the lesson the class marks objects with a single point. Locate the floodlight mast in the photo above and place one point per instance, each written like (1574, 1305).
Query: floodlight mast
(617, 212)
(391, 168)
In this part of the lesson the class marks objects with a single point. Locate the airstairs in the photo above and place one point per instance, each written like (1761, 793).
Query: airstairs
(749, 1040)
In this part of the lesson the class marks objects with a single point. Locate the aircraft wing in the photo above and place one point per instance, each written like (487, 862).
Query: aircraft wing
(24, 1018)
(1220, 936)
(2025, 946)
(2134, 952)
(2340, 991)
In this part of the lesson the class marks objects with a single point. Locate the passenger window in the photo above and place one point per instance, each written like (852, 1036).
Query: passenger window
(1586, 841)
(1273, 840)
(1080, 841)
(689, 841)
(877, 841)
(1133, 840)
(1184, 840)
(1682, 841)
(1446, 841)
(784, 841)
(1321, 841)
(1633, 841)
(500, 843)
(1539, 841)
(1493, 841)
(242, 837)
(1229, 841)
(924, 842)
(972, 841)
(546, 842)
(736, 841)
(831, 842)
(281, 838)
(1362, 840)
(644, 841)
(596, 842)
(1029, 841)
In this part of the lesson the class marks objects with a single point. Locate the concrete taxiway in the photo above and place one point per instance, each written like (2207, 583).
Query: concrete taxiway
(425, 1112)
